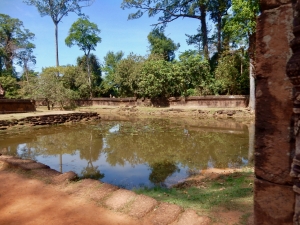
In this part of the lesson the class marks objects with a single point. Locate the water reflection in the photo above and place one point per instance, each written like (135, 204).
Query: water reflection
(139, 152)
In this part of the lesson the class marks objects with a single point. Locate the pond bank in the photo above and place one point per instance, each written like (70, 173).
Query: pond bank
(45, 118)
(52, 196)
(217, 215)
(178, 112)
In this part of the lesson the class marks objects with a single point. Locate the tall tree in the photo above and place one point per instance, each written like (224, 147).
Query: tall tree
(172, 10)
(14, 38)
(84, 34)
(111, 61)
(242, 24)
(218, 9)
(57, 9)
(95, 70)
(161, 45)
(127, 74)
(25, 57)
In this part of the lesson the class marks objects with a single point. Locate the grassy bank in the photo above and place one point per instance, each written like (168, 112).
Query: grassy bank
(226, 192)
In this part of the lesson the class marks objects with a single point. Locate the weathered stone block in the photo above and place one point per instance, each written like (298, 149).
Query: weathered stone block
(141, 206)
(273, 204)
(165, 214)
(274, 107)
(119, 199)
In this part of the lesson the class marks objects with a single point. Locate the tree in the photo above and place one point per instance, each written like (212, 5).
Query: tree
(172, 10)
(232, 73)
(242, 25)
(95, 70)
(57, 9)
(52, 87)
(194, 73)
(14, 40)
(218, 9)
(157, 79)
(161, 45)
(84, 34)
(25, 56)
(127, 75)
(111, 60)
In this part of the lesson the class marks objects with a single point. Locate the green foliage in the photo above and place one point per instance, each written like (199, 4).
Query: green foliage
(232, 73)
(227, 191)
(195, 72)
(242, 22)
(161, 45)
(28, 83)
(127, 75)
(57, 10)
(111, 60)
(10, 86)
(84, 34)
(164, 79)
(156, 79)
(15, 43)
(51, 87)
(95, 70)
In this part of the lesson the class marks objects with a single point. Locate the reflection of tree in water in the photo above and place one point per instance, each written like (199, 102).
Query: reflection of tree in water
(146, 141)
(161, 170)
(59, 140)
(91, 153)
(92, 172)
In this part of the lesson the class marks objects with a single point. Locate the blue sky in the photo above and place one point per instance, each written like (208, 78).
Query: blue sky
(117, 33)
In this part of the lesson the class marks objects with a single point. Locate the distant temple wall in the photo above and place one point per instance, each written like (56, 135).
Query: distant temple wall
(16, 106)
(226, 101)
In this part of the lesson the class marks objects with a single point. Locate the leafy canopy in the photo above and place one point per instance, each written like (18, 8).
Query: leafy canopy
(161, 45)
(15, 41)
(57, 9)
(84, 34)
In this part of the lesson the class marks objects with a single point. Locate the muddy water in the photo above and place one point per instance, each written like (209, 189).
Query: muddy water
(135, 152)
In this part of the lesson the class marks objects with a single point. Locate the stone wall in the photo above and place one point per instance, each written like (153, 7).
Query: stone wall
(274, 198)
(16, 106)
(50, 119)
(226, 101)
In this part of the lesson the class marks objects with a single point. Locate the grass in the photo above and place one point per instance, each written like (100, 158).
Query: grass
(232, 192)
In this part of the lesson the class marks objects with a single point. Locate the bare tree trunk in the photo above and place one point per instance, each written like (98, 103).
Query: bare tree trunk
(204, 30)
(219, 26)
(252, 86)
(56, 43)
(252, 39)
(89, 74)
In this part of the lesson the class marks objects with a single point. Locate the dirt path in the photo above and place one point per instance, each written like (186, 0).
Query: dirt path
(30, 201)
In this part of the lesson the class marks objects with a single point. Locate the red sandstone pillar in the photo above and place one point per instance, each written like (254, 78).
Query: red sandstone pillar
(274, 198)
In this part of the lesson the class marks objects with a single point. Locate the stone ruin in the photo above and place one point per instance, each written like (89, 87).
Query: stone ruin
(277, 140)
(15, 105)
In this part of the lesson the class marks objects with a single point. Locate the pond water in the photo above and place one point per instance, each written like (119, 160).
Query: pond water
(135, 153)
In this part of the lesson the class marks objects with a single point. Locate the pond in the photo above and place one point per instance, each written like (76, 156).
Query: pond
(135, 153)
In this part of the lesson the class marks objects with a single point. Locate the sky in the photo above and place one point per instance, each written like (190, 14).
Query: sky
(117, 32)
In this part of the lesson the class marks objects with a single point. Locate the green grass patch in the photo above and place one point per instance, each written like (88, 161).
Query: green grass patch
(233, 192)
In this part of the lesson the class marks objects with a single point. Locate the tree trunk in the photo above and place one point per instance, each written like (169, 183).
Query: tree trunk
(204, 30)
(252, 86)
(89, 74)
(219, 26)
(251, 51)
(56, 43)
